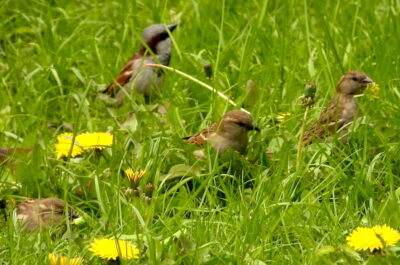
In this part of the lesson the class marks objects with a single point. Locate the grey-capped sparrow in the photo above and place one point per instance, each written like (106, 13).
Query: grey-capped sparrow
(134, 77)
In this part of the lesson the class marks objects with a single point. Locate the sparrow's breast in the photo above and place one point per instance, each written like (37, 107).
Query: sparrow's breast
(145, 78)
(349, 110)
(221, 143)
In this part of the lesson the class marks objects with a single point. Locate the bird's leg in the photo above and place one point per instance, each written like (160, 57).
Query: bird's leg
(3, 205)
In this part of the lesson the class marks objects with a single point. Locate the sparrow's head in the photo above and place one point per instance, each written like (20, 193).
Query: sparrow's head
(42, 213)
(157, 37)
(238, 122)
(353, 82)
(55, 206)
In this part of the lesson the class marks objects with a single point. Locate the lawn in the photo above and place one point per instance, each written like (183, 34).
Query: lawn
(274, 205)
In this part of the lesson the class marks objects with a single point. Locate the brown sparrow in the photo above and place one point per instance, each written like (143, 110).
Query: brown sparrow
(342, 109)
(134, 76)
(229, 132)
(8, 155)
(38, 214)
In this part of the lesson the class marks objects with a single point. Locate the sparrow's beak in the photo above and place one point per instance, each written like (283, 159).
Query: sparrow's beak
(255, 128)
(367, 80)
(73, 215)
(172, 27)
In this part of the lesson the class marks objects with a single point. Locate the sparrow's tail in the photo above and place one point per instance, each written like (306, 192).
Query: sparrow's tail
(307, 138)
(111, 90)
(197, 139)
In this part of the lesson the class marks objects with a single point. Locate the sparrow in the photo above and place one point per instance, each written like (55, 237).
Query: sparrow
(342, 109)
(229, 132)
(8, 155)
(38, 214)
(134, 76)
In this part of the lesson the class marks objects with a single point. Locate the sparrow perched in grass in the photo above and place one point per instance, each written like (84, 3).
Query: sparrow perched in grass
(229, 132)
(134, 76)
(342, 108)
(42, 213)
(8, 155)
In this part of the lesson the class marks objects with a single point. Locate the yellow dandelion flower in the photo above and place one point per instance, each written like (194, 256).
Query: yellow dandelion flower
(389, 235)
(364, 238)
(134, 176)
(65, 138)
(282, 118)
(373, 91)
(375, 238)
(113, 248)
(63, 146)
(63, 260)
(94, 140)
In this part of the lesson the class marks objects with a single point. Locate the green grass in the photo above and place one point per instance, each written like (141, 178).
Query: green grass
(56, 55)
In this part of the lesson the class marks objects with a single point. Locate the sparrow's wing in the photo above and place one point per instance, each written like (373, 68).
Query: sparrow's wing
(123, 78)
(9, 152)
(202, 137)
(329, 122)
(51, 211)
(27, 214)
(23, 209)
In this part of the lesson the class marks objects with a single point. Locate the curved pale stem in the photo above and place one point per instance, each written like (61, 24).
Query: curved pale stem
(196, 81)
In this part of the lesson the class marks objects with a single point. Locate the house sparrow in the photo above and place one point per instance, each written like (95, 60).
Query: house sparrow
(229, 132)
(42, 213)
(134, 76)
(8, 155)
(342, 108)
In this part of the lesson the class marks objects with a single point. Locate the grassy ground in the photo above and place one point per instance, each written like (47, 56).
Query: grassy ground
(56, 55)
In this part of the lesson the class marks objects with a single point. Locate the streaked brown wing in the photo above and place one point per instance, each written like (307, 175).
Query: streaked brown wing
(27, 214)
(329, 122)
(10, 152)
(202, 137)
(197, 139)
(7, 155)
(123, 78)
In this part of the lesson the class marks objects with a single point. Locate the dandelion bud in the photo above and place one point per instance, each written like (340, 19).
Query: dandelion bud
(148, 189)
(308, 98)
(310, 89)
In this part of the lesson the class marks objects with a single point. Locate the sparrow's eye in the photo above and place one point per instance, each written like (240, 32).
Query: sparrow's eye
(163, 36)
(355, 79)
(241, 124)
